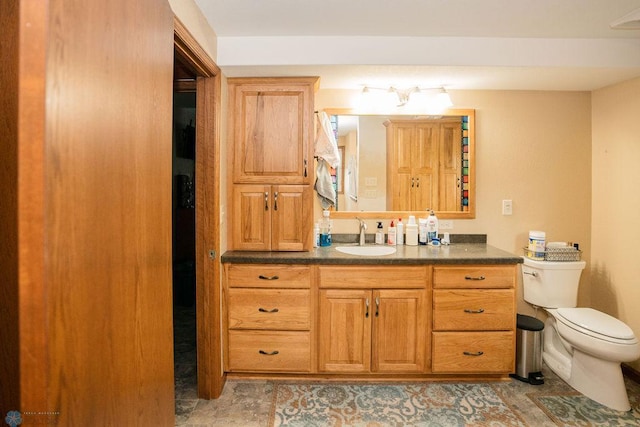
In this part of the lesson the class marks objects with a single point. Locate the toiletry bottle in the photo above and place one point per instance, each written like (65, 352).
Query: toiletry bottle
(325, 229)
(422, 231)
(432, 227)
(379, 235)
(399, 232)
(412, 232)
(391, 234)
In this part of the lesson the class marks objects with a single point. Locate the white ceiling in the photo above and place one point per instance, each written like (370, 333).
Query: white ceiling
(462, 44)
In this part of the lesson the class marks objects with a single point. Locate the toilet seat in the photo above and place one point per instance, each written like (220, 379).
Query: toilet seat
(596, 324)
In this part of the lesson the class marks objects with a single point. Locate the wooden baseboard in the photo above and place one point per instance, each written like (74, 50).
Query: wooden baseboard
(631, 373)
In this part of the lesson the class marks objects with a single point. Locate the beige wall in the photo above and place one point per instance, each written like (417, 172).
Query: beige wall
(533, 148)
(191, 16)
(615, 228)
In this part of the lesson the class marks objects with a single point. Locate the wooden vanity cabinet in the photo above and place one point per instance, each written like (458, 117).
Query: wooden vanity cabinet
(268, 318)
(271, 122)
(474, 319)
(413, 321)
(373, 319)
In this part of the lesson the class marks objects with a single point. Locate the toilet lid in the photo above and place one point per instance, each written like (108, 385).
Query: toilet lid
(595, 321)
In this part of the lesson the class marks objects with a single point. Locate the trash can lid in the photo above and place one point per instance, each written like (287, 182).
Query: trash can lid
(529, 323)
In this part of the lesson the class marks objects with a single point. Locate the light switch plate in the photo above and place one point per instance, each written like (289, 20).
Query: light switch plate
(507, 207)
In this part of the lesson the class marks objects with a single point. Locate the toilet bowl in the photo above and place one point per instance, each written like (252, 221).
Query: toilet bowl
(582, 346)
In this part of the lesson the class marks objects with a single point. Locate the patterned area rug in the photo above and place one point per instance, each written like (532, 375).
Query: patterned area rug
(577, 410)
(431, 404)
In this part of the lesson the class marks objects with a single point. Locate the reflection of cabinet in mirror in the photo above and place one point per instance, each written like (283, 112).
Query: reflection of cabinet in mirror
(424, 164)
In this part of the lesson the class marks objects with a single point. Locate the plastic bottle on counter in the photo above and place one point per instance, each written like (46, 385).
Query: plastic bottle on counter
(412, 232)
(325, 229)
(316, 235)
(422, 231)
(399, 232)
(432, 227)
(380, 234)
(391, 234)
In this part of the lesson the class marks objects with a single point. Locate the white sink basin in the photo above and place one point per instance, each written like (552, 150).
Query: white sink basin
(367, 250)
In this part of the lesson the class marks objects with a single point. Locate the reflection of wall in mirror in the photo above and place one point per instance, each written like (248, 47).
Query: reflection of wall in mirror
(348, 200)
(372, 163)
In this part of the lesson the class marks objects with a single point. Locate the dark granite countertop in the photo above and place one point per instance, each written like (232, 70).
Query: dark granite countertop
(456, 253)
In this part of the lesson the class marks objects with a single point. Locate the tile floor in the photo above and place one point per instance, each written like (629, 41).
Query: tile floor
(248, 403)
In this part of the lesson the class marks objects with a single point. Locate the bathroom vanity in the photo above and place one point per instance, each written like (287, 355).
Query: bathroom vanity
(423, 312)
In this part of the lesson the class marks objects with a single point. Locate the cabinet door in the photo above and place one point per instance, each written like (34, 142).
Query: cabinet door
(424, 166)
(450, 166)
(399, 168)
(252, 217)
(274, 218)
(400, 330)
(272, 129)
(412, 166)
(292, 218)
(345, 330)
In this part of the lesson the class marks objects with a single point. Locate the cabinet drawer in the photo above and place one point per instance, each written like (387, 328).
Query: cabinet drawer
(473, 352)
(268, 276)
(367, 277)
(269, 351)
(478, 276)
(287, 309)
(473, 309)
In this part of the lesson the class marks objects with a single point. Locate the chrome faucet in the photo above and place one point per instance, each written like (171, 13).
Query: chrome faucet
(363, 228)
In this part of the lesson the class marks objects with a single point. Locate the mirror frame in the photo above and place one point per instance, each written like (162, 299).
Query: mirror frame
(468, 214)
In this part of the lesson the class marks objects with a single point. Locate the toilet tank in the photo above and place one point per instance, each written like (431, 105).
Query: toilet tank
(551, 284)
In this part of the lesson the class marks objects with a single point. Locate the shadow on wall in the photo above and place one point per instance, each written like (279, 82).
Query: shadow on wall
(603, 293)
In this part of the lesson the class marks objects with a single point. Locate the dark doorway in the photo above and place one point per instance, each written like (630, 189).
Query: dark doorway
(184, 230)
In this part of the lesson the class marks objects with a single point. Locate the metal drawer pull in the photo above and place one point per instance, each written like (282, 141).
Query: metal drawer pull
(275, 201)
(268, 278)
(264, 310)
(366, 304)
(478, 311)
(473, 353)
(266, 353)
(377, 305)
(305, 168)
(266, 200)
(474, 278)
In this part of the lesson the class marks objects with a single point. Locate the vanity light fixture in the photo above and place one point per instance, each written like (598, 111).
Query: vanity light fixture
(428, 99)
(630, 21)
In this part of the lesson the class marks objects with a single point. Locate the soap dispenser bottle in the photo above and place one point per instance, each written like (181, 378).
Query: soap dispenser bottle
(325, 229)
(379, 234)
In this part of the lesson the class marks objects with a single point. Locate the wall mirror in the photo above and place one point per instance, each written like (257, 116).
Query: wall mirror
(399, 165)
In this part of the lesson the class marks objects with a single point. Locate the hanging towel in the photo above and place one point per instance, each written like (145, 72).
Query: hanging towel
(324, 185)
(326, 151)
(326, 146)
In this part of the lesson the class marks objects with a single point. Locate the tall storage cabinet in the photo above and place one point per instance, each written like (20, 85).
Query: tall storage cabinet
(424, 165)
(272, 128)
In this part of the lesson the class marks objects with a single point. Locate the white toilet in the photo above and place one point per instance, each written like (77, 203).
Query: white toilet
(582, 346)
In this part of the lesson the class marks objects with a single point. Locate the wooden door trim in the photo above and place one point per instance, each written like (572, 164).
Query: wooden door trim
(211, 377)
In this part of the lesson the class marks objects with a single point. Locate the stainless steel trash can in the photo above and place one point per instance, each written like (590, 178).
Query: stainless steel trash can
(529, 350)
